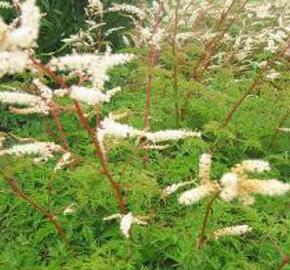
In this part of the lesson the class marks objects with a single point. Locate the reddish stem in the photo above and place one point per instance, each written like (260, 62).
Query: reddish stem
(175, 64)
(200, 16)
(254, 85)
(55, 116)
(211, 48)
(202, 236)
(153, 56)
(52, 218)
(281, 123)
(285, 262)
(94, 137)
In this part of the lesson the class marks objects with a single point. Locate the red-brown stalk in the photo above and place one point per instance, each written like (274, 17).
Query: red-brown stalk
(94, 137)
(47, 213)
(255, 83)
(153, 56)
(280, 125)
(175, 64)
(211, 46)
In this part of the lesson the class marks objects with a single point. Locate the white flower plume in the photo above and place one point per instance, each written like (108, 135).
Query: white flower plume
(237, 184)
(232, 231)
(13, 62)
(284, 130)
(205, 167)
(173, 188)
(41, 150)
(24, 36)
(229, 182)
(66, 160)
(94, 66)
(126, 222)
(256, 166)
(33, 103)
(128, 9)
(169, 135)
(194, 195)
(16, 41)
(92, 96)
(110, 127)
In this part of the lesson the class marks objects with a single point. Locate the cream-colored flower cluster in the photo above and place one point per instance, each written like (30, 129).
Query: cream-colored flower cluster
(128, 9)
(41, 150)
(109, 127)
(126, 222)
(273, 19)
(232, 231)
(94, 66)
(32, 103)
(92, 96)
(284, 130)
(16, 41)
(5, 5)
(66, 160)
(236, 184)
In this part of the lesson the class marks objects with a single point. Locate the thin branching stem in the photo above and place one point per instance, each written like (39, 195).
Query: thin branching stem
(54, 112)
(202, 236)
(255, 83)
(212, 47)
(213, 43)
(285, 262)
(93, 135)
(200, 16)
(47, 213)
(280, 125)
(153, 56)
(175, 64)
(55, 115)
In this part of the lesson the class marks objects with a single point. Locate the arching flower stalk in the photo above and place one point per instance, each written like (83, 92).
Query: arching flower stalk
(15, 187)
(19, 51)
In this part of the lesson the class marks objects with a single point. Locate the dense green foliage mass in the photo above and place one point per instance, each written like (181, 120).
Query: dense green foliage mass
(29, 242)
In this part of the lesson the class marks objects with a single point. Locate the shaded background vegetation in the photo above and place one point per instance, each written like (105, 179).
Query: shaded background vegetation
(65, 17)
